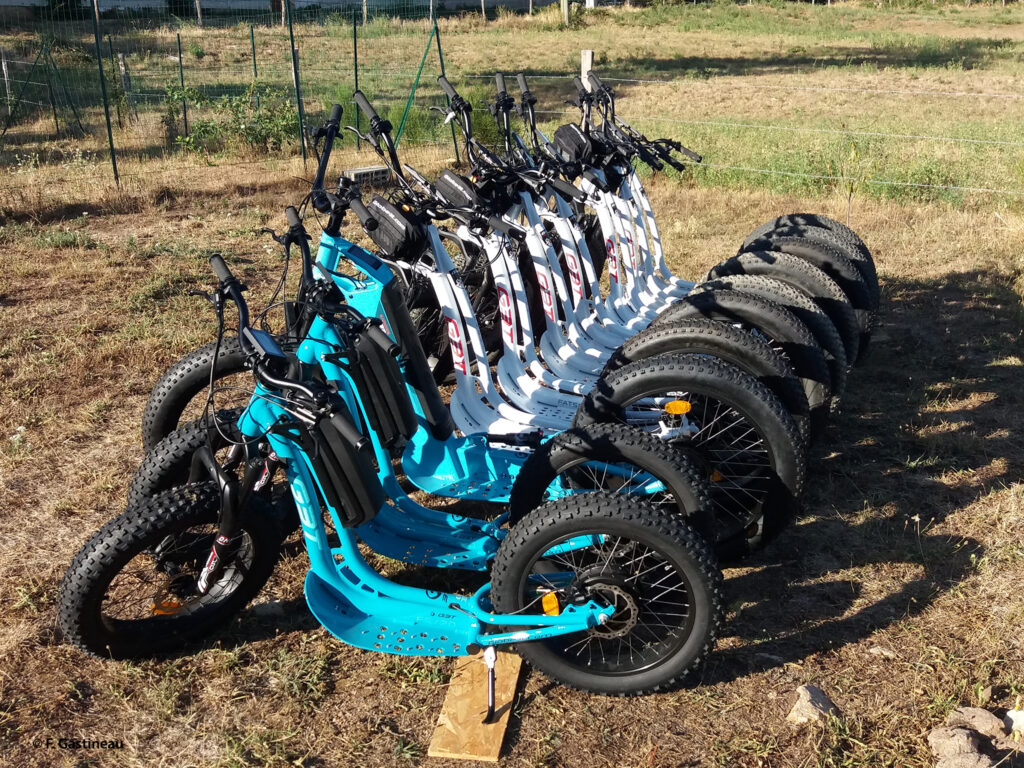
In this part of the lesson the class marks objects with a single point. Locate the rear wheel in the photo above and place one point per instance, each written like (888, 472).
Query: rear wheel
(131, 591)
(654, 570)
(804, 276)
(836, 227)
(726, 342)
(749, 448)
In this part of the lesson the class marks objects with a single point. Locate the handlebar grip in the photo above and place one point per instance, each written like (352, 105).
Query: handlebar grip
(567, 189)
(522, 83)
(293, 216)
(691, 154)
(595, 81)
(448, 88)
(348, 431)
(365, 217)
(499, 80)
(382, 340)
(580, 88)
(363, 103)
(335, 117)
(220, 268)
(512, 230)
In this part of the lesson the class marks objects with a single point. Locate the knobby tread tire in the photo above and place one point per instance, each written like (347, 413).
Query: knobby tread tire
(794, 338)
(805, 310)
(827, 237)
(700, 374)
(699, 335)
(813, 220)
(833, 263)
(612, 443)
(112, 547)
(616, 513)
(168, 464)
(804, 276)
(182, 382)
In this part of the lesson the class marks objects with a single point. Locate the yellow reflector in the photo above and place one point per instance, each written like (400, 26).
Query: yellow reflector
(717, 477)
(678, 407)
(550, 604)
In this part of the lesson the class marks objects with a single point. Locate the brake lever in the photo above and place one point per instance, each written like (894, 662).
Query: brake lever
(368, 138)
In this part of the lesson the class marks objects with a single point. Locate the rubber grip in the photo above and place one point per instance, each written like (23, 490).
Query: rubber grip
(365, 217)
(595, 81)
(447, 87)
(382, 340)
(363, 103)
(580, 88)
(335, 117)
(512, 230)
(691, 154)
(499, 80)
(293, 216)
(348, 431)
(220, 268)
(522, 83)
(567, 189)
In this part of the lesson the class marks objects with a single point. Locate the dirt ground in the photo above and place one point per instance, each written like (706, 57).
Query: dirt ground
(910, 541)
(898, 592)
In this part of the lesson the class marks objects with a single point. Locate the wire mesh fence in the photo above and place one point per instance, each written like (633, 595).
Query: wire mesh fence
(238, 80)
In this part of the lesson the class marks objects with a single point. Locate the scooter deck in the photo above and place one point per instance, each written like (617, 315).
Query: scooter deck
(416, 634)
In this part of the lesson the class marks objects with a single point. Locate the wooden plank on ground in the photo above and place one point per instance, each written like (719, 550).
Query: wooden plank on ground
(461, 732)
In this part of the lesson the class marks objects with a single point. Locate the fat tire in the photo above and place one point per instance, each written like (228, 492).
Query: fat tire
(612, 443)
(833, 262)
(804, 276)
(79, 612)
(182, 382)
(805, 310)
(614, 514)
(701, 336)
(794, 338)
(706, 375)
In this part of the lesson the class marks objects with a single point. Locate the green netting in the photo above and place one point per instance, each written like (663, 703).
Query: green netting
(218, 82)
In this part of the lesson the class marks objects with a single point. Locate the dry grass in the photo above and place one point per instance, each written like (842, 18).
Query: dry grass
(910, 541)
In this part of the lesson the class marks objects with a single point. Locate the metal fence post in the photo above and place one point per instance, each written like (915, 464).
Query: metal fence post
(255, 74)
(181, 79)
(7, 79)
(355, 69)
(103, 90)
(440, 56)
(298, 86)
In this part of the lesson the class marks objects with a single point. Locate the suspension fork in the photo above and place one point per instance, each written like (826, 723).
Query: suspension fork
(233, 497)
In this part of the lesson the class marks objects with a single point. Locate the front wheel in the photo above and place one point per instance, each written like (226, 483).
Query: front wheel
(131, 591)
(654, 570)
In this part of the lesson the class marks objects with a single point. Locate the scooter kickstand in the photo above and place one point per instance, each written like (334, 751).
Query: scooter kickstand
(490, 657)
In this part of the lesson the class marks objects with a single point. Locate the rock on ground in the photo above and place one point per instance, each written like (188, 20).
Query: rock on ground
(977, 719)
(812, 704)
(950, 742)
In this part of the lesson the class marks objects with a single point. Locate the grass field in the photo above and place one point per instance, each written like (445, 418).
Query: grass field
(910, 541)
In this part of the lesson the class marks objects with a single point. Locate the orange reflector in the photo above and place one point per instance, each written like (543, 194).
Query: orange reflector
(550, 604)
(717, 477)
(678, 407)
(166, 607)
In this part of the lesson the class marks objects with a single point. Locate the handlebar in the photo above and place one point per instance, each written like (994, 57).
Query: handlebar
(522, 83)
(230, 286)
(292, 215)
(499, 81)
(330, 131)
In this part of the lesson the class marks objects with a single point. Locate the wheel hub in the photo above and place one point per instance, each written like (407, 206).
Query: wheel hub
(610, 588)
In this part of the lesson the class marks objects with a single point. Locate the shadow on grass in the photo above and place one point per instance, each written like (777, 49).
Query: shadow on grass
(930, 425)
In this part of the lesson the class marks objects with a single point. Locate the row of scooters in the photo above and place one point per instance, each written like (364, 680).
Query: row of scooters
(617, 430)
